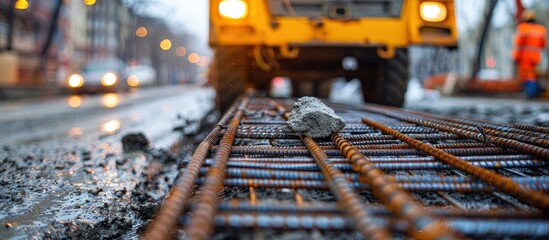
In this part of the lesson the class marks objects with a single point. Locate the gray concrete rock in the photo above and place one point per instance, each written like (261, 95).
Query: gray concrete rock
(312, 118)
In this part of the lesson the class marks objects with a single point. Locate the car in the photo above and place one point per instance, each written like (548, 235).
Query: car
(140, 75)
(99, 76)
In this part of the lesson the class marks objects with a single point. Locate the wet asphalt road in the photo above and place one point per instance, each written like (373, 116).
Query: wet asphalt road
(63, 172)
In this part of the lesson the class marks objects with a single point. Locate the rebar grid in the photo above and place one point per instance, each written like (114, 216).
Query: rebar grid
(390, 175)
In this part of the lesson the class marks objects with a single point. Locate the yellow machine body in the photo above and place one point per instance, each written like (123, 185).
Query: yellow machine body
(261, 28)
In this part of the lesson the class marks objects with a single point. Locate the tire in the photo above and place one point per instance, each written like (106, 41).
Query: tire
(229, 74)
(387, 83)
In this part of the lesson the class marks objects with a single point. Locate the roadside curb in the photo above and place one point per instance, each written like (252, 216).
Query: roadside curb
(29, 92)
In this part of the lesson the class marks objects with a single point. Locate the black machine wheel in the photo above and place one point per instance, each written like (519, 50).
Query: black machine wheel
(387, 84)
(229, 74)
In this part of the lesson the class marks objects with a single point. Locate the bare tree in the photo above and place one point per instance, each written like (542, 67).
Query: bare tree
(483, 37)
(10, 17)
(52, 28)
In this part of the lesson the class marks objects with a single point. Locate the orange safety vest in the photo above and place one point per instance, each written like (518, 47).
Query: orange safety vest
(530, 41)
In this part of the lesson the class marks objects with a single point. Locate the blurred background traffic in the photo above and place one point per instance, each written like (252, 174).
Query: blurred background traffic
(97, 45)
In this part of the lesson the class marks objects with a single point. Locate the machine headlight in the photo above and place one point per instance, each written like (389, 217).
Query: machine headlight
(433, 11)
(233, 9)
(133, 81)
(109, 79)
(76, 80)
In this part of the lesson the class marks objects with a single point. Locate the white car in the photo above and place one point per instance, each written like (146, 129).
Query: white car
(99, 76)
(140, 75)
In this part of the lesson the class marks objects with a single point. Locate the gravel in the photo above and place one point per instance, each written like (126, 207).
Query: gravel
(65, 177)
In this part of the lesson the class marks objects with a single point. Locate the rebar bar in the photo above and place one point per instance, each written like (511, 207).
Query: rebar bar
(489, 229)
(314, 175)
(382, 159)
(202, 221)
(351, 137)
(461, 130)
(531, 128)
(411, 165)
(464, 187)
(261, 176)
(284, 207)
(277, 151)
(164, 224)
(493, 129)
(537, 199)
(343, 190)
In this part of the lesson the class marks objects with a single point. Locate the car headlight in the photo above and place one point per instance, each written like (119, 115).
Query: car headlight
(109, 79)
(233, 9)
(433, 11)
(133, 81)
(76, 80)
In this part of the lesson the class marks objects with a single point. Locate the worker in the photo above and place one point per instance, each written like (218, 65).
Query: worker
(530, 41)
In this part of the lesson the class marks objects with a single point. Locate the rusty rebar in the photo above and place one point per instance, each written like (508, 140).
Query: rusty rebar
(463, 187)
(383, 159)
(491, 129)
(347, 197)
(531, 128)
(249, 149)
(445, 212)
(349, 128)
(504, 184)
(350, 137)
(165, 222)
(202, 221)
(469, 227)
(282, 151)
(507, 128)
(423, 226)
(315, 175)
(343, 190)
(461, 130)
(408, 165)
(265, 157)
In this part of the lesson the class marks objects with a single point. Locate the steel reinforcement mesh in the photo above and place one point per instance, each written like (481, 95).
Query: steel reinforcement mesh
(389, 173)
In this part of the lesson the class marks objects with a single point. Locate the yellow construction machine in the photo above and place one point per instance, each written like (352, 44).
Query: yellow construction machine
(314, 41)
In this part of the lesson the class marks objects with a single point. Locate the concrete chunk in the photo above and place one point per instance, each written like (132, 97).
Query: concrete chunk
(312, 118)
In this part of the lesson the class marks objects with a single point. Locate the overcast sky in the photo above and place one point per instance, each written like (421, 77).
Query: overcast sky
(189, 16)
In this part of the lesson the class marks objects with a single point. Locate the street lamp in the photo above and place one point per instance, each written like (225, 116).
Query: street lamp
(203, 61)
(166, 44)
(141, 32)
(21, 4)
(180, 51)
(194, 58)
(89, 2)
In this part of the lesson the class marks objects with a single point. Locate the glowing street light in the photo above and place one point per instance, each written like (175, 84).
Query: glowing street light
(203, 61)
(141, 32)
(21, 4)
(180, 51)
(166, 44)
(194, 58)
(89, 2)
